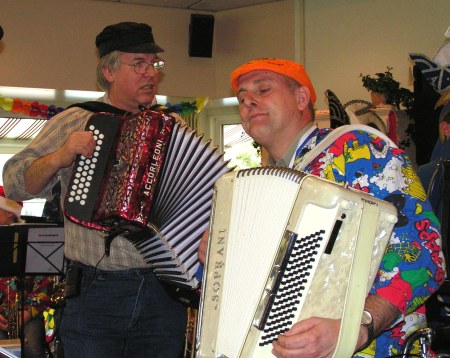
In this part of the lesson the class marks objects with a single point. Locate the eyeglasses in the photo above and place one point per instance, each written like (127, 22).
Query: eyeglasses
(142, 67)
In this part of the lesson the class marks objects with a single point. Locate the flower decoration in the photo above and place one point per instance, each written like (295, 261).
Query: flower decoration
(32, 109)
(38, 110)
(6, 103)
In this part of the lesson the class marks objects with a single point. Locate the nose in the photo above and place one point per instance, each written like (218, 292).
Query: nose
(150, 71)
(249, 100)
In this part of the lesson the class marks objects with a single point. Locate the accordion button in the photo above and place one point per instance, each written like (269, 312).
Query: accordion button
(345, 204)
(392, 219)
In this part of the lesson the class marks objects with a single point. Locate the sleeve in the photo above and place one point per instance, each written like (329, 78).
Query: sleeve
(50, 138)
(412, 267)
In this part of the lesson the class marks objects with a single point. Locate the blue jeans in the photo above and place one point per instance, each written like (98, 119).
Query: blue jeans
(122, 314)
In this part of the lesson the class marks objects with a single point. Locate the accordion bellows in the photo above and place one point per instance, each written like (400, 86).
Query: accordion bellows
(285, 246)
(151, 180)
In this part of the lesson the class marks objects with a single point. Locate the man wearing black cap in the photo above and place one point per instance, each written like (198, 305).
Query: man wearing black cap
(121, 309)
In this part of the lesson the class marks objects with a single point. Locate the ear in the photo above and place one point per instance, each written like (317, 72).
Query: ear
(444, 129)
(302, 96)
(109, 75)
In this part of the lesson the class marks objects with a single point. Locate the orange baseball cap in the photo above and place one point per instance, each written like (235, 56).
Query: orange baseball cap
(283, 67)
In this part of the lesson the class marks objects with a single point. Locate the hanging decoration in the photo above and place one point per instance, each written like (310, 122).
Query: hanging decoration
(32, 109)
(37, 110)
(187, 110)
(27, 128)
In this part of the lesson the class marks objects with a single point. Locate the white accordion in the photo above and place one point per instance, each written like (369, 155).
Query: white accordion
(284, 246)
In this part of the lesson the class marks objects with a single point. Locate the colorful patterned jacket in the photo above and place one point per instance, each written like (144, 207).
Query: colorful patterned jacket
(413, 265)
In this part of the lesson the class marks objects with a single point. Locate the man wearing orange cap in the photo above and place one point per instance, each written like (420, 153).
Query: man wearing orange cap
(276, 99)
(36, 289)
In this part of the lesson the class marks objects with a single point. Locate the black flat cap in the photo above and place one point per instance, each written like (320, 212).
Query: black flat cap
(129, 37)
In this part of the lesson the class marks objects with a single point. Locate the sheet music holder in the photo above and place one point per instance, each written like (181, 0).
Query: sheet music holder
(32, 249)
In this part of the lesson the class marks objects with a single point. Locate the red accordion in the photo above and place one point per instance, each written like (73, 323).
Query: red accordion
(150, 177)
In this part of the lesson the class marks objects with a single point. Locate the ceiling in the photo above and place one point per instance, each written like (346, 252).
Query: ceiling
(201, 5)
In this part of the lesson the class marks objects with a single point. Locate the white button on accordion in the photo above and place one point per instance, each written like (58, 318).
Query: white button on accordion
(150, 180)
(284, 246)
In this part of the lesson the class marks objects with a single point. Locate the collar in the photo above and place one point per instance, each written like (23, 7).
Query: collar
(105, 99)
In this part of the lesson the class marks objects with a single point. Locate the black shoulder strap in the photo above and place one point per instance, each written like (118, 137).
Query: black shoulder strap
(96, 106)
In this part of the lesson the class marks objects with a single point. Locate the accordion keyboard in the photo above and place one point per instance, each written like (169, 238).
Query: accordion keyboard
(293, 287)
(85, 185)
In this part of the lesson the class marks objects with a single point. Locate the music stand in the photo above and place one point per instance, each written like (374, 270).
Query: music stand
(30, 249)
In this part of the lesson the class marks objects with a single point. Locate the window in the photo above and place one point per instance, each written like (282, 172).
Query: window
(239, 148)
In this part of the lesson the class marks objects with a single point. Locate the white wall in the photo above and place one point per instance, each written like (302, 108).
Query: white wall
(345, 38)
(253, 32)
(50, 43)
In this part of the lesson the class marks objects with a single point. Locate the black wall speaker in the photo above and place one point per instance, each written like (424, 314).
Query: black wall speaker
(201, 33)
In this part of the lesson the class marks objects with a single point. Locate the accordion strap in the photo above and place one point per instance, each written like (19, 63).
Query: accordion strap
(335, 134)
(97, 106)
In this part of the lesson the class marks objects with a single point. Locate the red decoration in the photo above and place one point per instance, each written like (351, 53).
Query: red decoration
(32, 109)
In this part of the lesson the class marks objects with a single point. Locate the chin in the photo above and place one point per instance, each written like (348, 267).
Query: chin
(146, 101)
